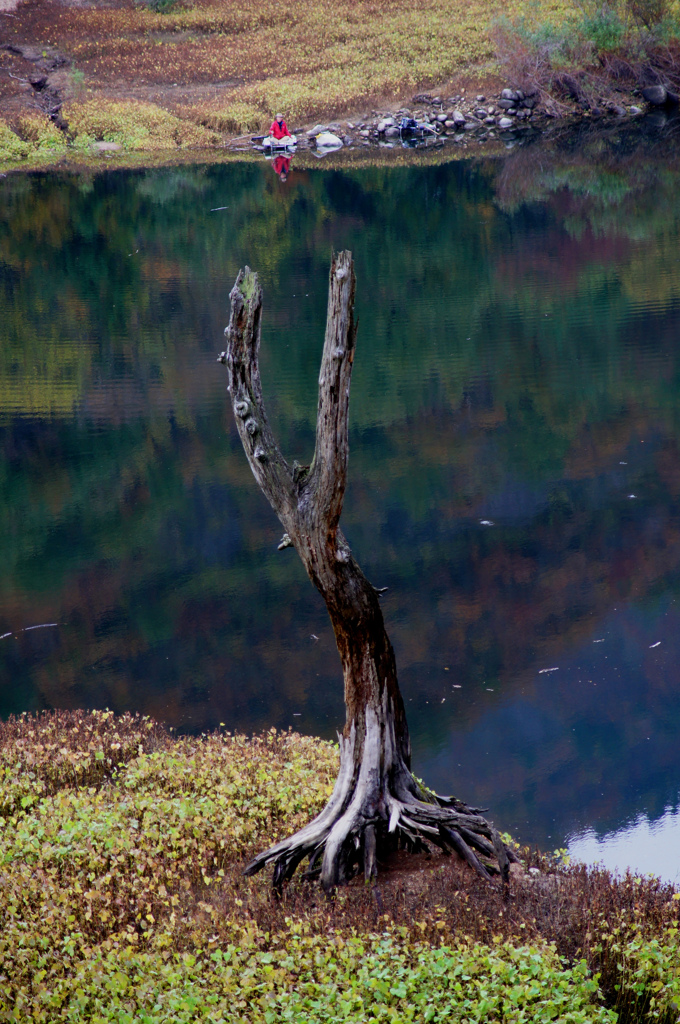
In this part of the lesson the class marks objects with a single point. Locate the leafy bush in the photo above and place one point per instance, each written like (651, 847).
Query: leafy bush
(585, 54)
(40, 132)
(161, 6)
(603, 28)
(133, 125)
(262, 979)
(11, 146)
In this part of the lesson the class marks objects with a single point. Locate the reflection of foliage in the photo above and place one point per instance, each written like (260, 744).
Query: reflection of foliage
(127, 514)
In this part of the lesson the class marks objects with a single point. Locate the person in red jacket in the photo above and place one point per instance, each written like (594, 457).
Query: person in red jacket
(279, 128)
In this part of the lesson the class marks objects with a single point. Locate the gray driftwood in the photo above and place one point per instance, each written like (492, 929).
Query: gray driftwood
(376, 802)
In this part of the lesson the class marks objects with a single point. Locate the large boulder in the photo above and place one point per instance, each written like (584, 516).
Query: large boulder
(656, 95)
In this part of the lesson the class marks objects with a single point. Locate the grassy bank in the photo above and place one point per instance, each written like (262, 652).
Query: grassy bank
(172, 74)
(122, 900)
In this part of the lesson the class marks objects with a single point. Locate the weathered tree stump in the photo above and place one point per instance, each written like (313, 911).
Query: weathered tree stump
(377, 803)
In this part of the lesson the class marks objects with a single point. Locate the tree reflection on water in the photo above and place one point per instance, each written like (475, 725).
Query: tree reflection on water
(537, 300)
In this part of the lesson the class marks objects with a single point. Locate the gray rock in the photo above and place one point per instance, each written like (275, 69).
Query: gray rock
(618, 110)
(470, 126)
(655, 94)
(442, 118)
(365, 134)
(316, 129)
(392, 132)
(505, 122)
(489, 120)
(508, 94)
(529, 102)
(481, 98)
(449, 124)
(636, 110)
(505, 103)
(458, 117)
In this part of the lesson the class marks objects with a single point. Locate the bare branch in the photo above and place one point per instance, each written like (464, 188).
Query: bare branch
(328, 475)
(292, 492)
(269, 467)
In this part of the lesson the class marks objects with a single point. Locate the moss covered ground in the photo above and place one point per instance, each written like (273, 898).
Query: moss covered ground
(121, 849)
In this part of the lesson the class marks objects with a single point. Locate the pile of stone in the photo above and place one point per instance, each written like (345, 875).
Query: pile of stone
(457, 114)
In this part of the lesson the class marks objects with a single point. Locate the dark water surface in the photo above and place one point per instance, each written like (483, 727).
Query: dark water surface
(514, 470)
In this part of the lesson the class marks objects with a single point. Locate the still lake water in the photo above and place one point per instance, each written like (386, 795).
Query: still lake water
(514, 469)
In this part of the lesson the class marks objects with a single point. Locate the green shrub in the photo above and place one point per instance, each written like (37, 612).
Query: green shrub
(11, 146)
(133, 125)
(261, 979)
(603, 28)
(41, 133)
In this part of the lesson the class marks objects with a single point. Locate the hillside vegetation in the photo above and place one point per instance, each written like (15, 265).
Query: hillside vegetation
(167, 74)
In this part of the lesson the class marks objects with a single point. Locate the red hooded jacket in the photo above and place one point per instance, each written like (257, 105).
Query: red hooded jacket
(279, 129)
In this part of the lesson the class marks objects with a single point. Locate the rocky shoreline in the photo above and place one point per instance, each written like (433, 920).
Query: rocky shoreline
(506, 117)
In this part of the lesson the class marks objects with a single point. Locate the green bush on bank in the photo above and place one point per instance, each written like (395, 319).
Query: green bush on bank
(605, 44)
(132, 124)
(11, 146)
(33, 136)
(319, 979)
(121, 850)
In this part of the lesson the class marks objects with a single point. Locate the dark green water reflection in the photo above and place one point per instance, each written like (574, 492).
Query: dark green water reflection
(518, 366)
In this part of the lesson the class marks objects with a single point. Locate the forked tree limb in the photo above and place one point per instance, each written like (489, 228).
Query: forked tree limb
(376, 802)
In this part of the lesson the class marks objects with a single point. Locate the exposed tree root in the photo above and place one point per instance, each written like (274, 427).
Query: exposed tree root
(377, 806)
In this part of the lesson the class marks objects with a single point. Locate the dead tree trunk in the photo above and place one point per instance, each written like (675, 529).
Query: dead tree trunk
(376, 801)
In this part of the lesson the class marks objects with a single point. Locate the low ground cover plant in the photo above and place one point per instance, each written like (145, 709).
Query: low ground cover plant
(132, 125)
(121, 849)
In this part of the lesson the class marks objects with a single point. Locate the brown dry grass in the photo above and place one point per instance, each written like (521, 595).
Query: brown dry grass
(229, 67)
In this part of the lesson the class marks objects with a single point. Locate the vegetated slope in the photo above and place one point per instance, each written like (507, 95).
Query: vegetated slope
(226, 67)
(122, 899)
